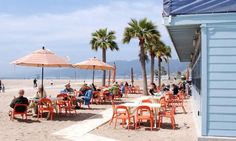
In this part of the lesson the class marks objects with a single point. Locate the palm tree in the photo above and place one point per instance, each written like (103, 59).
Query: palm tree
(163, 52)
(152, 49)
(143, 30)
(168, 56)
(104, 40)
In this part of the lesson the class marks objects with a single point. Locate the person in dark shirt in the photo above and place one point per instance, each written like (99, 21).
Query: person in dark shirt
(35, 82)
(153, 89)
(19, 100)
(175, 89)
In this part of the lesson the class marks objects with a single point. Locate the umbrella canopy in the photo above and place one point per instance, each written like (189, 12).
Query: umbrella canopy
(93, 64)
(42, 58)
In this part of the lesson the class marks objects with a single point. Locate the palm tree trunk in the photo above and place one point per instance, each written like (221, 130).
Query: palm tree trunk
(143, 67)
(159, 71)
(168, 67)
(152, 68)
(104, 72)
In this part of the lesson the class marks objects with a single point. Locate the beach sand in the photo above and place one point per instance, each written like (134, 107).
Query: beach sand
(32, 129)
(21, 130)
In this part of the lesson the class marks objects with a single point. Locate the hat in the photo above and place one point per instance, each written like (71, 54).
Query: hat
(68, 84)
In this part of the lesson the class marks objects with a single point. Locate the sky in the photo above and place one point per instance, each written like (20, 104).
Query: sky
(65, 27)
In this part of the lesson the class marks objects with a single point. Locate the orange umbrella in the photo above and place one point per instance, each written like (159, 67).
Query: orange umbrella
(93, 64)
(114, 73)
(42, 58)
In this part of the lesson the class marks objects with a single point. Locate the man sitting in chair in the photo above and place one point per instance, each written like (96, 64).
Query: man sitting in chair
(20, 100)
(68, 89)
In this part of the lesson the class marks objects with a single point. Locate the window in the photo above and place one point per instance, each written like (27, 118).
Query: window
(196, 74)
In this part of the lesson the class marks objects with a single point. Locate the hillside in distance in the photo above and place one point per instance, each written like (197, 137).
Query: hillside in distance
(123, 70)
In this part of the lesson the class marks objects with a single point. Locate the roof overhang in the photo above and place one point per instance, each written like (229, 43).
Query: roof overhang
(183, 38)
(182, 30)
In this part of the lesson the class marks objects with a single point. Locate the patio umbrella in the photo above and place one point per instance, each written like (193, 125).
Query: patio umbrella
(42, 58)
(132, 76)
(93, 64)
(114, 73)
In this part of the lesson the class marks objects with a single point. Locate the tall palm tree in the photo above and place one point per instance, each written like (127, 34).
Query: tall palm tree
(104, 40)
(143, 30)
(152, 47)
(163, 53)
(167, 59)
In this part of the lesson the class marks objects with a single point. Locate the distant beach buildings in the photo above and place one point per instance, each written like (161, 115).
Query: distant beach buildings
(204, 34)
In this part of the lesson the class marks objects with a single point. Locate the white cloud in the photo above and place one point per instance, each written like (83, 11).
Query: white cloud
(73, 30)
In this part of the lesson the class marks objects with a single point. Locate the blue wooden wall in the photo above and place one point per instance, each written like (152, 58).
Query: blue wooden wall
(219, 47)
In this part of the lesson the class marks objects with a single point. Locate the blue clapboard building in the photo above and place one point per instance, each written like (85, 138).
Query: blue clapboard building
(204, 33)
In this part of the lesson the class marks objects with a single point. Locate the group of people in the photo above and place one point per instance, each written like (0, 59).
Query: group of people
(182, 86)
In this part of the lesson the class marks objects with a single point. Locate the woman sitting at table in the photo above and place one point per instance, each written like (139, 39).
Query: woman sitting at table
(41, 93)
(153, 89)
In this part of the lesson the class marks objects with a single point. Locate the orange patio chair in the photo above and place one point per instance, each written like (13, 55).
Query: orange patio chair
(114, 111)
(45, 105)
(70, 105)
(96, 97)
(147, 116)
(179, 101)
(124, 116)
(19, 109)
(61, 102)
(168, 113)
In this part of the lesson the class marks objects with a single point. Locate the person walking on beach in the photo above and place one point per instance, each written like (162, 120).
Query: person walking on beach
(35, 83)
(3, 88)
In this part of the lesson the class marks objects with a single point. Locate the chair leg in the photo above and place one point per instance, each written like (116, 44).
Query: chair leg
(128, 123)
(111, 119)
(160, 121)
(123, 123)
(184, 109)
(172, 122)
(115, 123)
(151, 123)
(134, 123)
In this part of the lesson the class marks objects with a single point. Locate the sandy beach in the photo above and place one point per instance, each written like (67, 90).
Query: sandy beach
(21, 130)
(32, 129)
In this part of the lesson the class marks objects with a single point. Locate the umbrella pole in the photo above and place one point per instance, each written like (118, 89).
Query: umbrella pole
(93, 73)
(42, 77)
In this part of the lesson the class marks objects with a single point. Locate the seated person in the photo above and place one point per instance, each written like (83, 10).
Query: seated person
(87, 97)
(122, 88)
(114, 89)
(41, 93)
(175, 89)
(84, 88)
(19, 100)
(93, 87)
(68, 89)
(153, 89)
